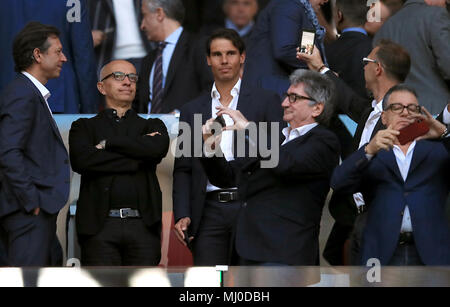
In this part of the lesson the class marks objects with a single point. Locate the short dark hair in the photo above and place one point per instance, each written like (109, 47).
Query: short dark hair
(228, 34)
(394, 59)
(33, 35)
(397, 88)
(355, 11)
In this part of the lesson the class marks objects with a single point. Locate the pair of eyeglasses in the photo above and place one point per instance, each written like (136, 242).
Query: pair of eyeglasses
(367, 61)
(294, 97)
(120, 76)
(398, 108)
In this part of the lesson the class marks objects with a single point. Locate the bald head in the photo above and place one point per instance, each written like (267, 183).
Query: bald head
(118, 93)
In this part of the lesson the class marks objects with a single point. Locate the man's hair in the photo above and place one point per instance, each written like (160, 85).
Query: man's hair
(319, 87)
(397, 88)
(33, 35)
(355, 11)
(394, 59)
(173, 9)
(228, 34)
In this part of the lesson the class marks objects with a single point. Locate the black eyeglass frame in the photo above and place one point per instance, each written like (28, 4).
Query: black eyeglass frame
(120, 76)
(412, 108)
(297, 97)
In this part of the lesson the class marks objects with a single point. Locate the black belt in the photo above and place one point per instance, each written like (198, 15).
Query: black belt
(222, 196)
(124, 213)
(406, 238)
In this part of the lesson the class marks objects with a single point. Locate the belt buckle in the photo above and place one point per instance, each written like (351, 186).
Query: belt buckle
(124, 212)
(222, 200)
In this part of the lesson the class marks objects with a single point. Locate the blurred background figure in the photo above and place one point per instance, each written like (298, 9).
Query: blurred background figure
(423, 28)
(239, 15)
(116, 33)
(75, 90)
(378, 13)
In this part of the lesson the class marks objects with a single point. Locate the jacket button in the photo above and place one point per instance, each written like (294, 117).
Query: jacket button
(244, 205)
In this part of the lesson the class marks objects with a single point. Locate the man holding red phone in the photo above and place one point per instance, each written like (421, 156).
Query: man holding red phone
(404, 186)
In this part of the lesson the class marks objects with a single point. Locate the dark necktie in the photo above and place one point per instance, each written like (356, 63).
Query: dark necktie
(157, 93)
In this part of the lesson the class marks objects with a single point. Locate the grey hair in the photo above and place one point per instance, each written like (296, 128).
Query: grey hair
(173, 9)
(320, 88)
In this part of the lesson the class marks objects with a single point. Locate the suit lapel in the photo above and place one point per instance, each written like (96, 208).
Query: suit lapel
(421, 151)
(388, 158)
(110, 5)
(177, 57)
(46, 108)
(243, 103)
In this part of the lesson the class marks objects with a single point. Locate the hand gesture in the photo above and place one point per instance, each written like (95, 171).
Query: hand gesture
(384, 139)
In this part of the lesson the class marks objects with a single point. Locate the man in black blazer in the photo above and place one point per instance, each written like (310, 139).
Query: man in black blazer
(344, 54)
(386, 65)
(206, 212)
(119, 208)
(280, 220)
(34, 166)
(183, 67)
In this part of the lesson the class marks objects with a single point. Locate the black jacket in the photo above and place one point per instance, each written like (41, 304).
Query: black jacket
(132, 152)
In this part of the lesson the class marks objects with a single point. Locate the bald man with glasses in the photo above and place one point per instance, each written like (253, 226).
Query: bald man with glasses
(119, 208)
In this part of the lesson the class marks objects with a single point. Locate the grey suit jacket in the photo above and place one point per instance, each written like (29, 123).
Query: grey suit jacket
(425, 32)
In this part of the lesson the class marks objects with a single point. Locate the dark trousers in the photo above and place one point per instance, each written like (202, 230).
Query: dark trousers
(406, 254)
(30, 239)
(214, 241)
(122, 242)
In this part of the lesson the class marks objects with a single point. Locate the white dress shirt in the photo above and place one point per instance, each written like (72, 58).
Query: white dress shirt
(42, 89)
(446, 116)
(226, 144)
(128, 42)
(291, 134)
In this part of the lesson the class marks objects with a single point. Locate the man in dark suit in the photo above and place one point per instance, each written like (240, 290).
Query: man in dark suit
(405, 186)
(34, 166)
(175, 72)
(274, 39)
(386, 65)
(74, 91)
(280, 220)
(206, 212)
(344, 54)
(119, 209)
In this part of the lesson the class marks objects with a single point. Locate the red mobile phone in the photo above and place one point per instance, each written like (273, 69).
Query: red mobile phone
(413, 131)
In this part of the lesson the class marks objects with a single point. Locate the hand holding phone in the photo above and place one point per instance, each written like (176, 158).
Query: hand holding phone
(307, 40)
(413, 131)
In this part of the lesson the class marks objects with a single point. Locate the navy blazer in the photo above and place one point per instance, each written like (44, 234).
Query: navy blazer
(271, 50)
(386, 195)
(34, 165)
(280, 221)
(75, 91)
(189, 178)
(187, 77)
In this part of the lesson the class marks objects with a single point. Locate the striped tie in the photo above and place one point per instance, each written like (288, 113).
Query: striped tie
(157, 93)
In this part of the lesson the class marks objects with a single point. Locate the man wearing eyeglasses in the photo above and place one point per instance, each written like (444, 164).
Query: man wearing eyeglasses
(405, 186)
(280, 220)
(386, 65)
(119, 208)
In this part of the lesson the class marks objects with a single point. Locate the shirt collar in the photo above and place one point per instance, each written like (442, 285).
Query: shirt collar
(112, 113)
(291, 134)
(230, 25)
(355, 29)
(234, 91)
(377, 106)
(42, 89)
(174, 37)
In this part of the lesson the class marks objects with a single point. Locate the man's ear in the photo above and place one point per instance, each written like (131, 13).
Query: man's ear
(242, 58)
(317, 109)
(383, 118)
(37, 55)
(160, 15)
(100, 88)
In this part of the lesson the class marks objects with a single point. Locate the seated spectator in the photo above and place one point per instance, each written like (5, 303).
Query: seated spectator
(405, 186)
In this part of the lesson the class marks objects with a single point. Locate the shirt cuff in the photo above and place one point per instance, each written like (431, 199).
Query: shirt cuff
(446, 116)
(324, 70)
